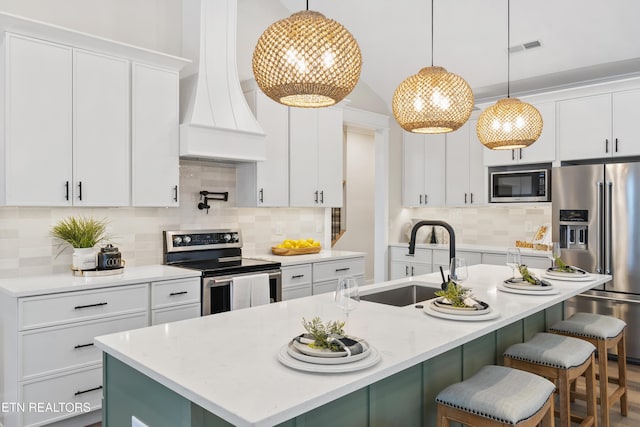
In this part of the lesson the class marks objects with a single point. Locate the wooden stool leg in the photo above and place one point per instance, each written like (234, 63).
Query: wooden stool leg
(443, 421)
(549, 418)
(603, 380)
(564, 405)
(590, 375)
(622, 373)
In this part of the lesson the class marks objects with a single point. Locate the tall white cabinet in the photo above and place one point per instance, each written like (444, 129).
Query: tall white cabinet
(423, 169)
(465, 171)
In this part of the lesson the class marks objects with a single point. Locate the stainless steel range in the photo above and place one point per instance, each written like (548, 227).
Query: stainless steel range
(218, 255)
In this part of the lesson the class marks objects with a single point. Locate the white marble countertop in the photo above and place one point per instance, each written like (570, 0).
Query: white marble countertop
(38, 285)
(475, 248)
(323, 255)
(246, 385)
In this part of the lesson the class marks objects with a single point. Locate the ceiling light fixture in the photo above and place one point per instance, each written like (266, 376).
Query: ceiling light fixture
(509, 123)
(307, 60)
(432, 101)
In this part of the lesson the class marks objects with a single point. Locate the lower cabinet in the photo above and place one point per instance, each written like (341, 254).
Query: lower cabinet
(403, 265)
(542, 262)
(173, 300)
(296, 281)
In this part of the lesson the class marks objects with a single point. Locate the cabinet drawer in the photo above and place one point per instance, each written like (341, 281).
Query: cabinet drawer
(535, 262)
(332, 269)
(49, 310)
(494, 259)
(441, 257)
(294, 292)
(47, 351)
(175, 292)
(297, 275)
(400, 254)
(80, 390)
(173, 314)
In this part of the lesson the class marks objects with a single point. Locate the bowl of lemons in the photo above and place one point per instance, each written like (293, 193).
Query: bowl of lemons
(296, 247)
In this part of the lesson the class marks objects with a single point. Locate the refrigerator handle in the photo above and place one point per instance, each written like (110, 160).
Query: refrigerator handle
(600, 185)
(609, 230)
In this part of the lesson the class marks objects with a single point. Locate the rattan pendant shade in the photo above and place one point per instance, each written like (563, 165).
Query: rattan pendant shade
(307, 60)
(432, 101)
(509, 124)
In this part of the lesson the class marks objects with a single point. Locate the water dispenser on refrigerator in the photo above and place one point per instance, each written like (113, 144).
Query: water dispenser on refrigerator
(574, 229)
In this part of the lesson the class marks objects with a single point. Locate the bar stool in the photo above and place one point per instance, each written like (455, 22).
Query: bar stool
(562, 360)
(497, 396)
(604, 332)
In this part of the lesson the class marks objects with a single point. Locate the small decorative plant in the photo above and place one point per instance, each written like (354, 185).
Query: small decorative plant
(321, 332)
(80, 232)
(455, 293)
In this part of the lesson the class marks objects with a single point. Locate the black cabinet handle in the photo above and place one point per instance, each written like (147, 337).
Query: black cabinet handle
(412, 272)
(426, 199)
(421, 199)
(465, 198)
(322, 197)
(316, 198)
(78, 393)
(83, 345)
(520, 153)
(79, 190)
(513, 155)
(261, 195)
(616, 145)
(80, 307)
(471, 198)
(66, 190)
(606, 145)
(175, 193)
(406, 270)
(173, 294)
(343, 269)
(297, 276)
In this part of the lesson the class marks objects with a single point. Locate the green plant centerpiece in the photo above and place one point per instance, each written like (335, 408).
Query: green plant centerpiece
(82, 234)
(562, 266)
(528, 277)
(455, 293)
(321, 332)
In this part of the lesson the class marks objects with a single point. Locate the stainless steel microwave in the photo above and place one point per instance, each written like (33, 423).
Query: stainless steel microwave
(526, 185)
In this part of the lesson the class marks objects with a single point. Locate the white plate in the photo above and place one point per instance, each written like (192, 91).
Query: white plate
(466, 311)
(296, 354)
(547, 291)
(285, 358)
(526, 286)
(324, 353)
(428, 308)
(569, 277)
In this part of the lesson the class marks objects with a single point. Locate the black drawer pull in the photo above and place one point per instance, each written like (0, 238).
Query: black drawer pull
(78, 393)
(297, 276)
(83, 345)
(175, 193)
(173, 294)
(79, 307)
(343, 269)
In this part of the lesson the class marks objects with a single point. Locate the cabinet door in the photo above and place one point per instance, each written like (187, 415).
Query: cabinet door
(434, 170)
(101, 130)
(457, 181)
(584, 127)
(303, 160)
(544, 149)
(499, 157)
(626, 119)
(413, 169)
(155, 144)
(38, 122)
(477, 174)
(398, 270)
(330, 155)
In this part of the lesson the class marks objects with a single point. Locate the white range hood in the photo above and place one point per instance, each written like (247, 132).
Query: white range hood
(215, 120)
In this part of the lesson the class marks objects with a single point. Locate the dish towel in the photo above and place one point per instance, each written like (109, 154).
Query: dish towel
(260, 289)
(241, 292)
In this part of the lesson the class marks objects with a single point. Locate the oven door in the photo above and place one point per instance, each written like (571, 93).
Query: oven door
(520, 186)
(216, 291)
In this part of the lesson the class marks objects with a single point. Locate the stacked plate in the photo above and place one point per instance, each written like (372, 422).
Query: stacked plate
(576, 275)
(303, 357)
(439, 308)
(521, 286)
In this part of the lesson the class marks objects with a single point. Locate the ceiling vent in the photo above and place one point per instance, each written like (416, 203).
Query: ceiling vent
(525, 46)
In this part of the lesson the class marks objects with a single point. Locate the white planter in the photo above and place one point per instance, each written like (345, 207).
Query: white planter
(84, 258)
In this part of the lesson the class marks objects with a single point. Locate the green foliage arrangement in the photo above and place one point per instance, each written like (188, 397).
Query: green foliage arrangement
(321, 332)
(527, 276)
(80, 232)
(562, 266)
(455, 293)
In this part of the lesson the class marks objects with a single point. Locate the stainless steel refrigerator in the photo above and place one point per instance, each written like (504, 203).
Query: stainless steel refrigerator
(596, 219)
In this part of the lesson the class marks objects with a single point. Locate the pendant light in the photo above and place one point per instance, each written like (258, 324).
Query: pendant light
(307, 60)
(432, 101)
(509, 123)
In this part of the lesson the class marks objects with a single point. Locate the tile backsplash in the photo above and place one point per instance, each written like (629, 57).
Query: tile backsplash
(26, 248)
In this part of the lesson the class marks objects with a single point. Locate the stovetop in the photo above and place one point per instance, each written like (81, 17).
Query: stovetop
(218, 268)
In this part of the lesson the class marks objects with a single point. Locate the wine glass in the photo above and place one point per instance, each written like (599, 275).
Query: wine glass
(458, 270)
(347, 295)
(555, 253)
(513, 260)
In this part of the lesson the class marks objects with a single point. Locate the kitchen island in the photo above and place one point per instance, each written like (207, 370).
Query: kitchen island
(223, 369)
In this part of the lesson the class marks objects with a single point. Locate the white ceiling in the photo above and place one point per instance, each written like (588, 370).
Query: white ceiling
(582, 40)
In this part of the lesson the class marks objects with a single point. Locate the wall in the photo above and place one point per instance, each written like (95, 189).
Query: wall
(26, 249)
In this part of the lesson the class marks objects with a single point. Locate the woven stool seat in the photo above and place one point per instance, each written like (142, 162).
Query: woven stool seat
(552, 350)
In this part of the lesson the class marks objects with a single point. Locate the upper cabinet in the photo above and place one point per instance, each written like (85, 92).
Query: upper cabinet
(266, 184)
(423, 170)
(465, 177)
(599, 126)
(541, 151)
(316, 152)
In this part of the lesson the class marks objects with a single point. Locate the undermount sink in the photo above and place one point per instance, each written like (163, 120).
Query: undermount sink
(408, 293)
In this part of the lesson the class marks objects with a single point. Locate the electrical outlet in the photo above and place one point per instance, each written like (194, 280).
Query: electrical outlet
(528, 226)
(137, 423)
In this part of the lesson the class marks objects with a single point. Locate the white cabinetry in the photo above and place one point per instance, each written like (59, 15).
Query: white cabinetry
(296, 281)
(403, 265)
(101, 161)
(423, 170)
(155, 138)
(441, 258)
(326, 273)
(173, 300)
(266, 183)
(541, 261)
(465, 182)
(599, 126)
(541, 151)
(316, 152)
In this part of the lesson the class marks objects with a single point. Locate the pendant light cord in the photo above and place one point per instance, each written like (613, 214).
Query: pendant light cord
(508, 46)
(307, 4)
(432, 32)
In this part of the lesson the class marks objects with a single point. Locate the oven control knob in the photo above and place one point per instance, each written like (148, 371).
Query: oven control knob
(235, 237)
(187, 239)
(227, 237)
(177, 240)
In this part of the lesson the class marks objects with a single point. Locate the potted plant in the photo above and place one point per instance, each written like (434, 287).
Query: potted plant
(82, 234)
